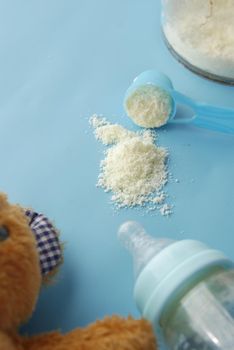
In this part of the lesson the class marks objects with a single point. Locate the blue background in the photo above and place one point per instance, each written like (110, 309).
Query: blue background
(61, 61)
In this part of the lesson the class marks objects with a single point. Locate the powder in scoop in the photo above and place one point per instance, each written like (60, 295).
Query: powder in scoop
(149, 106)
(134, 168)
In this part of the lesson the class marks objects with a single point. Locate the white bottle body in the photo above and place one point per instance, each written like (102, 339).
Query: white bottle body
(203, 318)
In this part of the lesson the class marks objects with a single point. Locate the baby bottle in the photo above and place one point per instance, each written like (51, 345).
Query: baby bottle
(200, 33)
(184, 288)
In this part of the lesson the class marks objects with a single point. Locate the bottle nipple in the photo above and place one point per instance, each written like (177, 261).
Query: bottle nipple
(142, 246)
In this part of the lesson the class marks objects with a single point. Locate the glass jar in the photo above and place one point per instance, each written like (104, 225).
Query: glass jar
(200, 33)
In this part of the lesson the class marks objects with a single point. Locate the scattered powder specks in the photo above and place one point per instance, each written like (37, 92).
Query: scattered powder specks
(166, 210)
(109, 133)
(134, 168)
(96, 121)
(159, 198)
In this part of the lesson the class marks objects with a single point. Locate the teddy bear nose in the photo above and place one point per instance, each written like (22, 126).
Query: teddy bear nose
(4, 234)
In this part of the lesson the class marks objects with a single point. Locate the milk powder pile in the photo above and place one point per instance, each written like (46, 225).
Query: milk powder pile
(134, 168)
(202, 32)
(149, 106)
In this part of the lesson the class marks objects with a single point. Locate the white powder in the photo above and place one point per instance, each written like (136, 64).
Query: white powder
(202, 32)
(149, 106)
(166, 210)
(134, 168)
(159, 198)
(109, 133)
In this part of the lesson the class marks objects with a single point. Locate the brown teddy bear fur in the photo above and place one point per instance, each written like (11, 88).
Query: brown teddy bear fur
(20, 282)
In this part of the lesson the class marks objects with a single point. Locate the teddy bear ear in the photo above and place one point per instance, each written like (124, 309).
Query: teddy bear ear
(3, 201)
(49, 246)
(50, 278)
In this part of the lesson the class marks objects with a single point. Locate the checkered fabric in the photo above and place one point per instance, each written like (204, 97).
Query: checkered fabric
(47, 241)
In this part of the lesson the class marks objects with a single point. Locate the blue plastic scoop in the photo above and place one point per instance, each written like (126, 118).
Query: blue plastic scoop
(204, 115)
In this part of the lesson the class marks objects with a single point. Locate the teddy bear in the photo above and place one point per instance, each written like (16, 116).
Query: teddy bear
(30, 254)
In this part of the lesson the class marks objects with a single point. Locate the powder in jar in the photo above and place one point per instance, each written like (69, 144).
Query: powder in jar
(202, 33)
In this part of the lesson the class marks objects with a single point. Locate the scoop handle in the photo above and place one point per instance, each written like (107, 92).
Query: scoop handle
(206, 116)
(214, 118)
